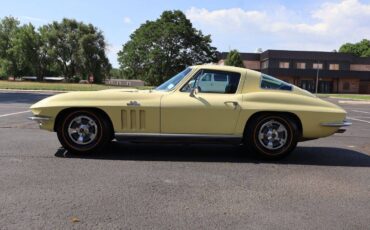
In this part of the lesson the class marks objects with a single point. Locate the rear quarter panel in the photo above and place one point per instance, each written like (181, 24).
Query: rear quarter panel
(311, 111)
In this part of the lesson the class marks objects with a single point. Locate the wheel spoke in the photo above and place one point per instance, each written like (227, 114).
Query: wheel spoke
(82, 130)
(92, 136)
(72, 130)
(272, 134)
(80, 139)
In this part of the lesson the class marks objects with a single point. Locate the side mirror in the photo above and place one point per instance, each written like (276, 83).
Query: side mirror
(194, 91)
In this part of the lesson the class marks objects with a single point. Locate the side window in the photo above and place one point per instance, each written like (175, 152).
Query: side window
(268, 82)
(206, 77)
(214, 81)
(220, 77)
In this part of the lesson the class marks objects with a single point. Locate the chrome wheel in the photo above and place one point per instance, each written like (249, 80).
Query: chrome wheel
(272, 135)
(82, 130)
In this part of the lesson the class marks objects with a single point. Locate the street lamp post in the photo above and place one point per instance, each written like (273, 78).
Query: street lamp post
(317, 77)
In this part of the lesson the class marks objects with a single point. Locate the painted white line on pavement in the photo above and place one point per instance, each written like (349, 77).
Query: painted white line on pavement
(355, 102)
(11, 114)
(355, 119)
(359, 111)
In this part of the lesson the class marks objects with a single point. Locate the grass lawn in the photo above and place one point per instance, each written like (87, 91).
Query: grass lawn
(58, 86)
(347, 96)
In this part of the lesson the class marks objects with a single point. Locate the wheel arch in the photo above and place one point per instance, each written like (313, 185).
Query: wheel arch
(290, 115)
(100, 112)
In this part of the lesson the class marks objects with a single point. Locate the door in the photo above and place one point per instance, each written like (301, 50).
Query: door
(325, 86)
(308, 85)
(213, 110)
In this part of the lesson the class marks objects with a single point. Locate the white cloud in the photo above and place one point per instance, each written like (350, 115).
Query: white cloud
(127, 20)
(28, 18)
(326, 28)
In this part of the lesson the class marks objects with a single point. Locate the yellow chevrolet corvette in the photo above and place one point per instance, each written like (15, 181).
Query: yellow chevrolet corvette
(205, 103)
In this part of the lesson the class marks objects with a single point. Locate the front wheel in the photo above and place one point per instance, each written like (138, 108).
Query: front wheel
(271, 136)
(83, 131)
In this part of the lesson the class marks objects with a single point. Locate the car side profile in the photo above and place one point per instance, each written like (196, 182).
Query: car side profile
(205, 103)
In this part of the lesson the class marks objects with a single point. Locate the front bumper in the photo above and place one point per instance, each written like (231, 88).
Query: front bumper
(44, 122)
(39, 119)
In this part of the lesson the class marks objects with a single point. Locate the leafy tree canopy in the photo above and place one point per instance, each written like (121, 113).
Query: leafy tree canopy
(116, 73)
(360, 49)
(68, 48)
(233, 59)
(161, 48)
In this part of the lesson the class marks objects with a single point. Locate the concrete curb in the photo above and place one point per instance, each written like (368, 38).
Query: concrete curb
(350, 99)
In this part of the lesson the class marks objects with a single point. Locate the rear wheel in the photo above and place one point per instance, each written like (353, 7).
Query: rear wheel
(83, 131)
(271, 136)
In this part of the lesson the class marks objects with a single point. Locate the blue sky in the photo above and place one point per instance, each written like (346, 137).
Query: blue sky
(240, 24)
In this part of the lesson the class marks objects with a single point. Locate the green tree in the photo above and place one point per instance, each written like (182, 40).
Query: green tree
(159, 49)
(233, 59)
(360, 49)
(116, 73)
(92, 53)
(25, 48)
(8, 62)
(76, 49)
(68, 48)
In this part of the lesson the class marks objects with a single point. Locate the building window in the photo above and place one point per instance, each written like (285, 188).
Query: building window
(334, 67)
(265, 64)
(301, 65)
(359, 67)
(317, 66)
(346, 85)
(284, 65)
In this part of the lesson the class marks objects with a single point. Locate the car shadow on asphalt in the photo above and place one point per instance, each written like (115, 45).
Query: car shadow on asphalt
(325, 156)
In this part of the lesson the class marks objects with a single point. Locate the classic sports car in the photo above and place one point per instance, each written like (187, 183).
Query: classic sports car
(205, 103)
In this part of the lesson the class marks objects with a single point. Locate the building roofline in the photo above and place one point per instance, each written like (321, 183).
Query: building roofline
(301, 54)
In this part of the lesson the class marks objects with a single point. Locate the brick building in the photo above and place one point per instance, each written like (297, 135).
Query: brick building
(336, 72)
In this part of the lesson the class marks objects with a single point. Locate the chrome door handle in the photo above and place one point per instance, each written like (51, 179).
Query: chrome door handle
(235, 103)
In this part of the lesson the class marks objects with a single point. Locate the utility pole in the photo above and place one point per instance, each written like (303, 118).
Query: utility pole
(317, 77)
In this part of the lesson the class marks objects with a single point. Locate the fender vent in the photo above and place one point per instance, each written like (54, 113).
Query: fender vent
(133, 119)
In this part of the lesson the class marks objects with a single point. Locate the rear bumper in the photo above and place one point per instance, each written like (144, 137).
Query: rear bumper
(337, 124)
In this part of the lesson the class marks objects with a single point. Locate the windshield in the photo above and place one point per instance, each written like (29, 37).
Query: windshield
(172, 82)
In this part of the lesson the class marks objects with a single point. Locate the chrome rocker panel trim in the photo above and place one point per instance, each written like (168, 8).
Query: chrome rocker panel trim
(178, 138)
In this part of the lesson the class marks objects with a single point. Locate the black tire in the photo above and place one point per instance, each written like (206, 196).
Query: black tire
(99, 127)
(257, 140)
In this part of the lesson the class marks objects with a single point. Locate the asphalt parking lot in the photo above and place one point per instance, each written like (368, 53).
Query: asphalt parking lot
(324, 184)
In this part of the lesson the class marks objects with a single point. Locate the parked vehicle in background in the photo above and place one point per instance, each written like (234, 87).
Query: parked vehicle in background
(29, 78)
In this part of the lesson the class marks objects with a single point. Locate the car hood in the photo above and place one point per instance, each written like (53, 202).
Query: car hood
(110, 97)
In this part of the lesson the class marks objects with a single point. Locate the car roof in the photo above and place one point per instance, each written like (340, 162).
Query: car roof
(220, 67)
